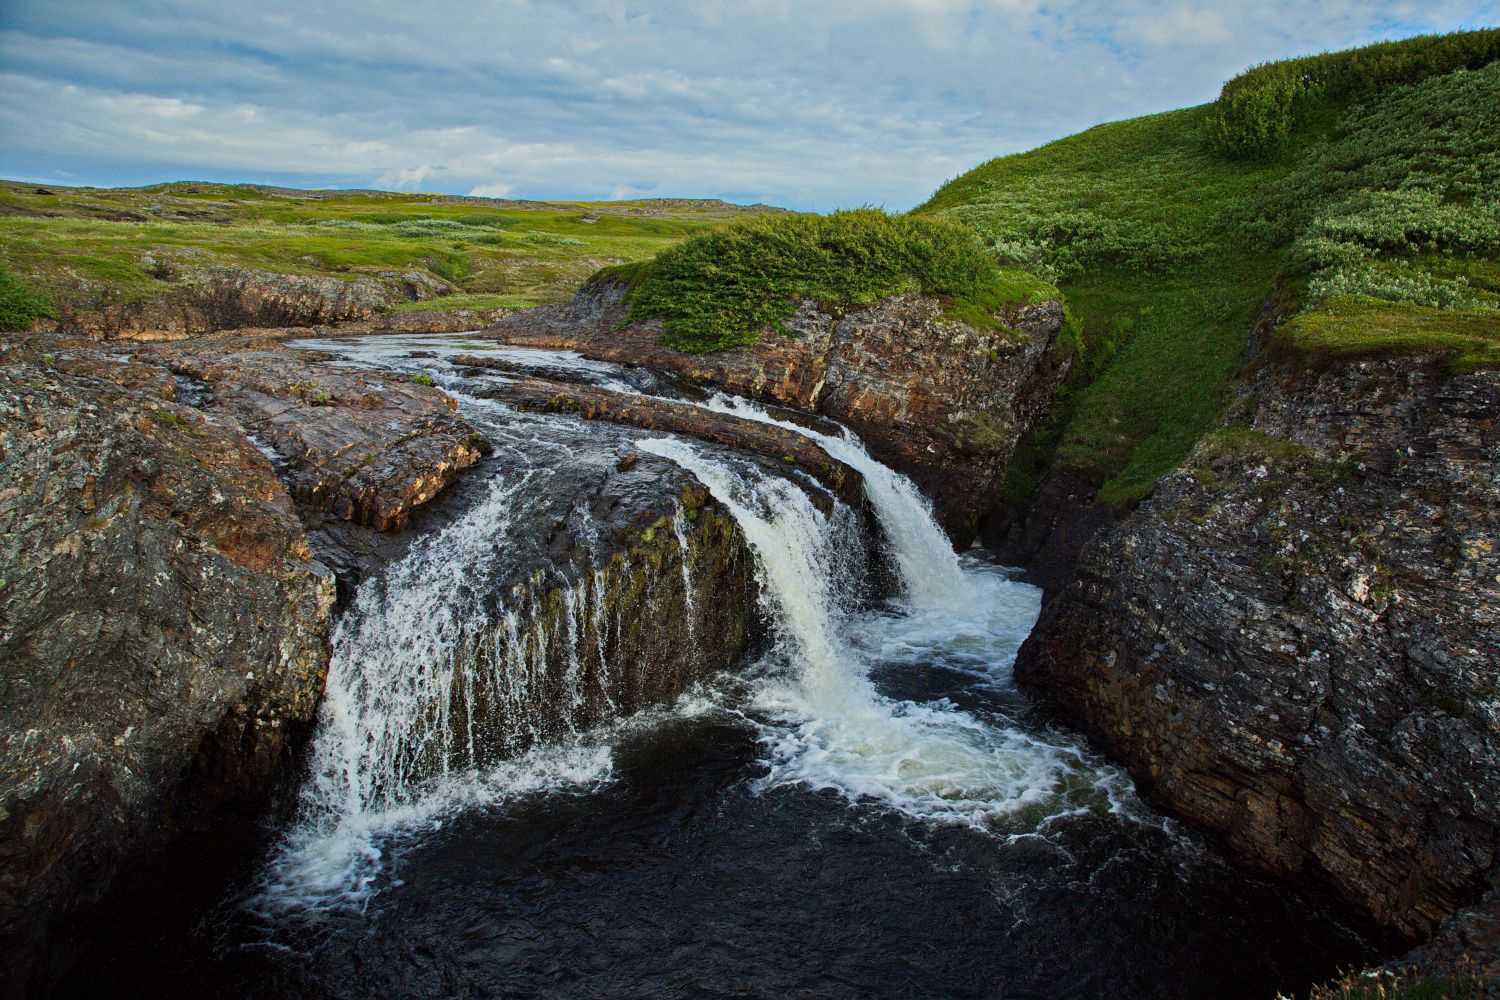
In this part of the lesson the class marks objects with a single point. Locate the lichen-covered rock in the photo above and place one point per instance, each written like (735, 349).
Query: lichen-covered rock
(936, 398)
(370, 447)
(1295, 642)
(161, 617)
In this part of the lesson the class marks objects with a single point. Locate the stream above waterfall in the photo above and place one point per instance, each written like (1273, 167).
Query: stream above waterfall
(866, 806)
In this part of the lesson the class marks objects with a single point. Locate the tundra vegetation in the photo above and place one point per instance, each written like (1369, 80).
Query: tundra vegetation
(1370, 225)
(727, 287)
(86, 248)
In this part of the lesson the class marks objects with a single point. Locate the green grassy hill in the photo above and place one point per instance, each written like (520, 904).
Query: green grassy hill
(1354, 195)
(86, 247)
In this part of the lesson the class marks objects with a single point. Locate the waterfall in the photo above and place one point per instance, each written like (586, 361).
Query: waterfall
(690, 601)
(418, 658)
(446, 692)
(929, 569)
(829, 727)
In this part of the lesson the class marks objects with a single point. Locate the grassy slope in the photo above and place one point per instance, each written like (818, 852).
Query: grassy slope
(1168, 253)
(1164, 335)
(93, 244)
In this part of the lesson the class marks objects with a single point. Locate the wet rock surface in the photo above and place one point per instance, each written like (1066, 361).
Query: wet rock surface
(162, 634)
(1293, 642)
(367, 446)
(592, 403)
(939, 400)
(181, 521)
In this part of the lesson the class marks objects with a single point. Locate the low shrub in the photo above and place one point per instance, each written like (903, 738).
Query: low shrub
(1257, 111)
(20, 304)
(727, 287)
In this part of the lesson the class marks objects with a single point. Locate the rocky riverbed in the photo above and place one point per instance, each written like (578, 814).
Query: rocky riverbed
(1291, 644)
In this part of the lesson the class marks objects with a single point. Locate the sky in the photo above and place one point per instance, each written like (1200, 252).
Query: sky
(807, 104)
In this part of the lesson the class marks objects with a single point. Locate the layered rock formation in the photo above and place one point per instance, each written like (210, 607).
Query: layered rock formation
(649, 413)
(941, 401)
(206, 300)
(162, 630)
(1295, 642)
(370, 447)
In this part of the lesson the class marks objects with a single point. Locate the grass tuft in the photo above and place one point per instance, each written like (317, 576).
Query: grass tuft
(20, 304)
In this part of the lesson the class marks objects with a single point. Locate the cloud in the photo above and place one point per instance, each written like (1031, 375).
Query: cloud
(808, 105)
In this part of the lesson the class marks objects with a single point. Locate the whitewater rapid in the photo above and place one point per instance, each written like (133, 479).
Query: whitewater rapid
(822, 717)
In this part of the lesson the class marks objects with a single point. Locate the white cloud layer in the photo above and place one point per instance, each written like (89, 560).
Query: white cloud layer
(807, 104)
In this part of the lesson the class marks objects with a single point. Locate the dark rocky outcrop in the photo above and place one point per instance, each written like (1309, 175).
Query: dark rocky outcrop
(939, 400)
(1293, 643)
(162, 631)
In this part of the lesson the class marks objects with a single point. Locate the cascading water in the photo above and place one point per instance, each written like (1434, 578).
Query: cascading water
(929, 570)
(831, 728)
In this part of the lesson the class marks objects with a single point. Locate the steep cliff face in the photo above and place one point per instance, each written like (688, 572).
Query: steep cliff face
(162, 630)
(1295, 642)
(939, 400)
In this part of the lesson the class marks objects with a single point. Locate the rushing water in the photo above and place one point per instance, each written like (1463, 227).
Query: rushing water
(869, 809)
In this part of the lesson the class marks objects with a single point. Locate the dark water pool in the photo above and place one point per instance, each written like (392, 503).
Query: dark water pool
(681, 879)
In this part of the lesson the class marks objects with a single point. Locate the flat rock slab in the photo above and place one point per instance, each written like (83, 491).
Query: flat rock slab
(593, 403)
(368, 446)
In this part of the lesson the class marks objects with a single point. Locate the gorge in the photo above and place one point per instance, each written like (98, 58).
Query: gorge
(480, 684)
(1068, 588)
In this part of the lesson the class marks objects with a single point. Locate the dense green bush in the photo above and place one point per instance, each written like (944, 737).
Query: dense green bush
(20, 304)
(1060, 244)
(1257, 111)
(725, 288)
(1409, 184)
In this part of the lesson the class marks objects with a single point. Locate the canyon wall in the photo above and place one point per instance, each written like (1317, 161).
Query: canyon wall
(1294, 643)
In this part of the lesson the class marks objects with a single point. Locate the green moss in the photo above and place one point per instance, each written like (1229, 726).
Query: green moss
(728, 287)
(422, 378)
(632, 275)
(1358, 326)
(171, 419)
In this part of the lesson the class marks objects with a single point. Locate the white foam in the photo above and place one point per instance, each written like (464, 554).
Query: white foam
(928, 566)
(824, 722)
